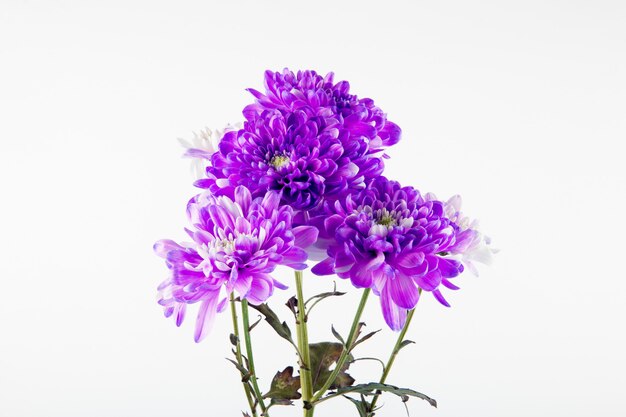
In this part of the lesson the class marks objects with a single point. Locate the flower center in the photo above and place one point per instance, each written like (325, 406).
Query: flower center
(385, 218)
(387, 221)
(226, 245)
(279, 160)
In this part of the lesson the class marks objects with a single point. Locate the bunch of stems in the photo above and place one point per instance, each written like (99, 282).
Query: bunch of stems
(310, 397)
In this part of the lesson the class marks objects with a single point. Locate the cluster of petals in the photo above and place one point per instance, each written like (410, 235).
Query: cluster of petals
(307, 137)
(393, 240)
(237, 242)
(301, 178)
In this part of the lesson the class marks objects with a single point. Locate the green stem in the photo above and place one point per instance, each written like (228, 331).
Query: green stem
(253, 378)
(246, 386)
(346, 351)
(393, 355)
(306, 381)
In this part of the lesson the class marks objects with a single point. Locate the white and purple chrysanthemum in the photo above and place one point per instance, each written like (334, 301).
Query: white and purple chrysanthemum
(307, 138)
(237, 243)
(392, 240)
(202, 146)
(471, 245)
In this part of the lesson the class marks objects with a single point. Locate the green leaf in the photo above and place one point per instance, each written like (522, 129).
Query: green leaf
(319, 297)
(292, 304)
(372, 387)
(337, 335)
(284, 387)
(364, 338)
(405, 343)
(279, 327)
(362, 406)
(245, 374)
(323, 356)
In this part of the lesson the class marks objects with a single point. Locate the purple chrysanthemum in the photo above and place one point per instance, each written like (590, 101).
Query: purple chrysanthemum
(237, 244)
(391, 239)
(307, 138)
(321, 96)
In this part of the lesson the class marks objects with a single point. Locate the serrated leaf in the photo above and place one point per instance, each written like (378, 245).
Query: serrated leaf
(372, 387)
(323, 356)
(272, 319)
(280, 402)
(284, 387)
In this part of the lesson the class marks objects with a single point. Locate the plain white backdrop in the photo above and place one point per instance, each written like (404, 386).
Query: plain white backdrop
(517, 105)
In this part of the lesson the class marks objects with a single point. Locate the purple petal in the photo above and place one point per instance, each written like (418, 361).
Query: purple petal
(395, 317)
(295, 255)
(449, 285)
(180, 313)
(221, 217)
(162, 247)
(244, 198)
(403, 291)
(411, 259)
(375, 262)
(261, 289)
(440, 298)
(324, 268)
(344, 260)
(280, 285)
(449, 268)
(271, 201)
(305, 236)
(206, 317)
(430, 281)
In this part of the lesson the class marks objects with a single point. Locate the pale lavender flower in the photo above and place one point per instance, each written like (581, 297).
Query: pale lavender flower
(237, 243)
(202, 146)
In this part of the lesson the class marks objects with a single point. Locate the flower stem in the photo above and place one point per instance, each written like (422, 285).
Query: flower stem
(393, 355)
(306, 382)
(346, 351)
(246, 386)
(253, 378)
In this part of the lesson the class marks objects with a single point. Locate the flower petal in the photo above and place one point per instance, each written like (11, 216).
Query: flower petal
(403, 291)
(325, 267)
(395, 316)
(305, 236)
(206, 316)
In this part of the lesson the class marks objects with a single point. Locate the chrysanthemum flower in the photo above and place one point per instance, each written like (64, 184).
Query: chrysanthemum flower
(308, 138)
(320, 95)
(202, 146)
(237, 243)
(391, 239)
(471, 245)
(303, 157)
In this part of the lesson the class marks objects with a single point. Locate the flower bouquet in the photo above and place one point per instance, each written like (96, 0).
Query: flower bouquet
(301, 180)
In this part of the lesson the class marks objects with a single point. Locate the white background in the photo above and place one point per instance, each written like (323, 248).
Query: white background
(517, 105)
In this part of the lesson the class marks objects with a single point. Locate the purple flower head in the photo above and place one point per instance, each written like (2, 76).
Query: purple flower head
(237, 243)
(306, 137)
(319, 95)
(303, 157)
(391, 239)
